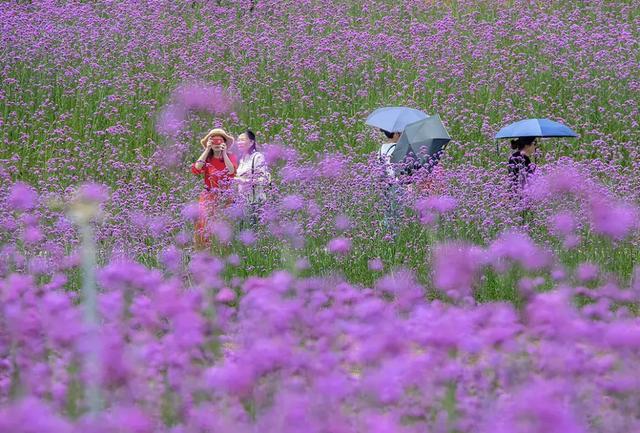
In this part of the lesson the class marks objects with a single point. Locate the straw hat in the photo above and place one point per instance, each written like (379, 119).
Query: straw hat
(219, 132)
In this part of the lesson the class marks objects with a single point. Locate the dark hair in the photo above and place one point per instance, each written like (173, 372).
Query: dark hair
(521, 142)
(387, 133)
(251, 136)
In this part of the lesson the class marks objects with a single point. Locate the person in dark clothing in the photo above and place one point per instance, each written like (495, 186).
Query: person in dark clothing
(520, 166)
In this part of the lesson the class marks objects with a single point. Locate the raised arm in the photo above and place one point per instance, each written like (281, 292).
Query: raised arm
(196, 168)
(231, 168)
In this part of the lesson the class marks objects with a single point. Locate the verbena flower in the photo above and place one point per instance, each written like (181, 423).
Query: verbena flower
(339, 245)
(456, 267)
(22, 197)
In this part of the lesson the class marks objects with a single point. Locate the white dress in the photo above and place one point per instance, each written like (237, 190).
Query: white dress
(252, 176)
(384, 154)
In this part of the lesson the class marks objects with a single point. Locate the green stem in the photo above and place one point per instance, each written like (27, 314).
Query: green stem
(89, 294)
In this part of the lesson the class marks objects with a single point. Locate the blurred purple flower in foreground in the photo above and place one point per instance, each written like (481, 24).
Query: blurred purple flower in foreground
(614, 220)
(339, 246)
(563, 223)
(518, 248)
(293, 202)
(209, 98)
(539, 407)
(456, 266)
(93, 192)
(587, 272)
(22, 197)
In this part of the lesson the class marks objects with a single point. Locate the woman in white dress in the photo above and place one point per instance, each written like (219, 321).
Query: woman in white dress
(252, 175)
(392, 208)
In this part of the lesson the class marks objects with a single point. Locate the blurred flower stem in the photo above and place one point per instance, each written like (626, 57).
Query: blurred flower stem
(84, 211)
(89, 295)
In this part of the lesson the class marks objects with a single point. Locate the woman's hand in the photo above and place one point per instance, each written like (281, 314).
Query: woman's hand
(203, 157)
(225, 156)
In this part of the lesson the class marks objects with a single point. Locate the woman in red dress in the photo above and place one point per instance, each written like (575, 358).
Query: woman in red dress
(218, 167)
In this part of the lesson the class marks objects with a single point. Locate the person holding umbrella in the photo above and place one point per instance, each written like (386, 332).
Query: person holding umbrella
(524, 135)
(391, 121)
(386, 149)
(520, 166)
(420, 148)
(391, 190)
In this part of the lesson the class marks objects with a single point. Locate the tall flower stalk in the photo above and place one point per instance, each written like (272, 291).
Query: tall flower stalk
(89, 300)
(85, 210)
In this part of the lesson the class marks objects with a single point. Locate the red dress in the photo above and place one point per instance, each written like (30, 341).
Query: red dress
(216, 179)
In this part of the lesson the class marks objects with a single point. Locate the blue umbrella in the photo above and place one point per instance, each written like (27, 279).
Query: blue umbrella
(535, 128)
(394, 119)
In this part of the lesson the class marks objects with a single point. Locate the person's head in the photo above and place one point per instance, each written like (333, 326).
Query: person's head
(392, 136)
(524, 144)
(247, 142)
(216, 142)
(215, 138)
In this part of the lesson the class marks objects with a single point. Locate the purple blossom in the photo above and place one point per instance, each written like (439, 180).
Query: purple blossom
(375, 265)
(340, 246)
(93, 192)
(275, 153)
(231, 378)
(171, 120)
(234, 260)
(302, 264)
(247, 237)
(171, 258)
(225, 295)
(587, 272)
(439, 204)
(293, 203)
(613, 219)
(624, 334)
(191, 211)
(519, 248)
(32, 415)
(205, 97)
(342, 222)
(456, 266)
(571, 241)
(22, 197)
(537, 407)
(563, 223)
(192, 97)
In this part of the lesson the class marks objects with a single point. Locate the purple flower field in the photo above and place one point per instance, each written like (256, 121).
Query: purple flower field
(468, 308)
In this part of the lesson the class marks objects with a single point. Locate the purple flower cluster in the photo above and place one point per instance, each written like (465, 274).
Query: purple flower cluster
(193, 97)
(183, 347)
(294, 353)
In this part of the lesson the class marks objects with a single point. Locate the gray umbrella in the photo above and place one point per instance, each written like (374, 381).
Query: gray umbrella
(423, 140)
